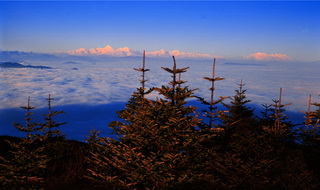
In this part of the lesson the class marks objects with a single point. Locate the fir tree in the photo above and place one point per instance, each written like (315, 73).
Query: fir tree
(317, 111)
(154, 141)
(32, 158)
(25, 167)
(50, 127)
(237, 111)
(247, 157)
(212, 113)
(309, 133)
(280, 127)
(317, 122)
(265, 118)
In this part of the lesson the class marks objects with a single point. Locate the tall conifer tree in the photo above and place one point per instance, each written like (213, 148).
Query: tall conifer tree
(310, 130)
(153, 140)
(237, 111)
(211, 112)
(27, 167)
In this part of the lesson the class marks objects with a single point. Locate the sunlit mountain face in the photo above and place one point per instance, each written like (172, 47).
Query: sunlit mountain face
(126, 51)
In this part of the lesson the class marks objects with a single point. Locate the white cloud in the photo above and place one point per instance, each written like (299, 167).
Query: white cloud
(97, 84)
(105, 81)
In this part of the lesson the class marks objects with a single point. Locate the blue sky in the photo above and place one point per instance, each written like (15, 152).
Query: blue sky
(221, 28)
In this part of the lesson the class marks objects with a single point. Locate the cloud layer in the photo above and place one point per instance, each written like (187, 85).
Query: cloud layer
(125, 51)
(96, 85)
(113, 80)
(268, 57)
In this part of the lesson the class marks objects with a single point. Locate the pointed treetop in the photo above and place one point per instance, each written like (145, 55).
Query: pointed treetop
(241, 85)
(28, 107)
(213, 67)
(174, 69)
(143, 70)
(174, 64)
(213, 79)
(49, 102)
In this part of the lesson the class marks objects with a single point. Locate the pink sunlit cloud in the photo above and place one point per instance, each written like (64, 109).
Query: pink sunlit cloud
(268, 57)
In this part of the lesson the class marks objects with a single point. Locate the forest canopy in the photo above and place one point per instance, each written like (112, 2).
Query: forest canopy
(164, 143)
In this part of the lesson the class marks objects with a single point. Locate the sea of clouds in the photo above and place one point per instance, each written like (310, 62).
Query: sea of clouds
(91, 90)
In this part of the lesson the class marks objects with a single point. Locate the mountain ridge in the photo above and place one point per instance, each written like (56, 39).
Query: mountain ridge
(19, 65)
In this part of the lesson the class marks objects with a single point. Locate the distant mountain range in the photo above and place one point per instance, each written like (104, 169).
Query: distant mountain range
(125, 52)
(106, 51)
(19, 65)
(244, 64)
(70, 62)
(18, 56)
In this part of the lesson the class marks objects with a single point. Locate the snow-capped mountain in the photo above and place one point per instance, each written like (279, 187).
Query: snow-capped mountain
(125, 51)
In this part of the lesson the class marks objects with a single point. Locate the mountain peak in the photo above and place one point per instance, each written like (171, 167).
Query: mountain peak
(126, 51)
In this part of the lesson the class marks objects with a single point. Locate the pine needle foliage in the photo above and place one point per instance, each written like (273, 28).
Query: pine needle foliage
(143, 70)
(237, 111)
(246, 157)
(265, 115)
(211, 113)
(50, 127)
(317, 122)
(162, 144)
(27, 166)
(310, 131)
(154, 140)
(317, 111)
(280, 127)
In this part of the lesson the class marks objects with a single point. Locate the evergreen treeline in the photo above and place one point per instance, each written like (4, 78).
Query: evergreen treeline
(163, 144)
